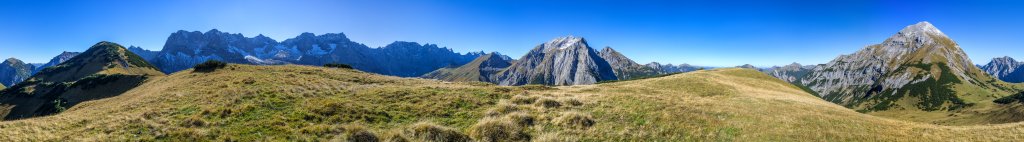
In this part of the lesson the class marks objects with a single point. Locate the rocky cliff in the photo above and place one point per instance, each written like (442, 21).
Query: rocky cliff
(562, 61)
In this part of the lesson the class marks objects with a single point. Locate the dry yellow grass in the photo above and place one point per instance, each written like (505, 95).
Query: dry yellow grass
(297, 103)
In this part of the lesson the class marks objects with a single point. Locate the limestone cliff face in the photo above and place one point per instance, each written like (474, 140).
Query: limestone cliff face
(1006, 69)
(919, 56)
(563, 61)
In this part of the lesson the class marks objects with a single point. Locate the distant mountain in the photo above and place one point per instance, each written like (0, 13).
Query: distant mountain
(406, 59)
(789, 73)
(145, 54)
(64, 56)
(669, 68)
(749, 66)
(1006, 69)
(13, 71)
(482, 69)
(105, 69)
(919, 68)
(562, 61)
(625, 68)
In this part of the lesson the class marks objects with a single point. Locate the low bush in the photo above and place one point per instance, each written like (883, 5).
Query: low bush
(1019, 97)
(338, 65)
(425, 131)
(209, 66)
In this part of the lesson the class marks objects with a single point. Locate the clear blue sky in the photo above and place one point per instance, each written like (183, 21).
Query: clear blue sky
(712, 33)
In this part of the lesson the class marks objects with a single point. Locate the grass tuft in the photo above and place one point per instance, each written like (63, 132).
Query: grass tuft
(547, 103)
(498, 130)
(523, 99)
(575, 120)
(425, 131)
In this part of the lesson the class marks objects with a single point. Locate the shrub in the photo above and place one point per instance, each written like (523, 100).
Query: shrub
(338, 65)
(547, 103)
(523, 99)
(575, 120)
(497, 130)
(1019, 97)
(425, 131)
(209, 66)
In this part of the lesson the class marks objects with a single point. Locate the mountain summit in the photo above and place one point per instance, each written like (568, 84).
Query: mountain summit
(918, 68)
(1006, 69)
(106, 69)
(563, 61)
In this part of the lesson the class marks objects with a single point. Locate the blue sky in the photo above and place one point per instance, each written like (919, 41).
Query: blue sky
(711, 33)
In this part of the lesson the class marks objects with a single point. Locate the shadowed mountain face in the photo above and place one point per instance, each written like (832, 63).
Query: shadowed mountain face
(563, 61)
(919, 64)
(185, 49)
(13, 71)
(106, 69)
(1006, 69)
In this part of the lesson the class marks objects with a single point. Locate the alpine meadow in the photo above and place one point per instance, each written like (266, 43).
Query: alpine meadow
(511, 71)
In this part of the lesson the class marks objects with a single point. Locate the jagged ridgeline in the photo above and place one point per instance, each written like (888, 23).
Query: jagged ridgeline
(917, 69)
(106, 69)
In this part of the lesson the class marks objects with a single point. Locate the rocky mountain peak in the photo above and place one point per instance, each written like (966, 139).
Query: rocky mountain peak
(562, 61)
(1002, 60)
(567, 42)
(13, 61)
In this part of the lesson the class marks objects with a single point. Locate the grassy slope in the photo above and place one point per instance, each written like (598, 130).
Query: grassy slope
(300, 102)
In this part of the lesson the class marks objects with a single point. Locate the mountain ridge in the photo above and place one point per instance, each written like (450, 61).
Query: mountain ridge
(106, 69)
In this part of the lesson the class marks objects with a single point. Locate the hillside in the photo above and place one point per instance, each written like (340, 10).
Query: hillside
(481, 69)
(106, 69)
(246, 103)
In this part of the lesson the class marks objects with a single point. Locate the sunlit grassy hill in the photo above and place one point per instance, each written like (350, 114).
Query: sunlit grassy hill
(245, 103)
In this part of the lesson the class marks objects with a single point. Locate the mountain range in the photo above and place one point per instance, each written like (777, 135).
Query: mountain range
(406, 59)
